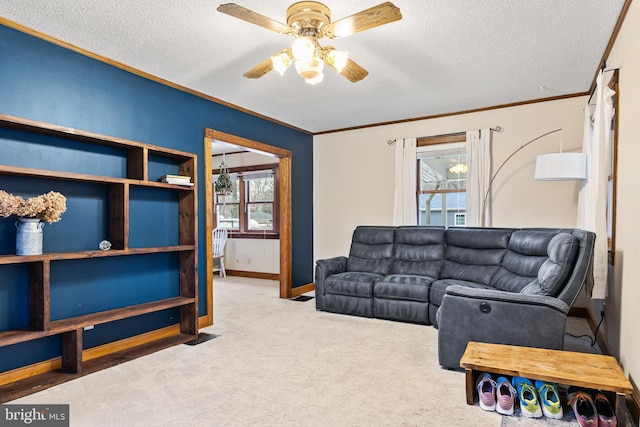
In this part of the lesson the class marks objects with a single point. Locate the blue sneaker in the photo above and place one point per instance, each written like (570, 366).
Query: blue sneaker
(529, 406)
(550, 400)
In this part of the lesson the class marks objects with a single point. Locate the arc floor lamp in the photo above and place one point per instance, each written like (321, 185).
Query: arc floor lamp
(549, 167)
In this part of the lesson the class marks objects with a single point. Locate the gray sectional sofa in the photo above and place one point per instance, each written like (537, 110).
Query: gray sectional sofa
(497, 285)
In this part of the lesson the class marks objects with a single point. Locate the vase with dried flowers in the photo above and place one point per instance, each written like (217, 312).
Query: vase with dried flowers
(31, 212)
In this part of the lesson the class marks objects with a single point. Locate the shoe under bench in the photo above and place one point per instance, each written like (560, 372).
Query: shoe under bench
(594, 371)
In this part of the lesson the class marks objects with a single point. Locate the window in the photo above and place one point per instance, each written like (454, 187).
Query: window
(460, 219)
(442, 182)
(250, 210)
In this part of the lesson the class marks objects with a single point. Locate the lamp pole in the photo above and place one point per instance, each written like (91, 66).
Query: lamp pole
(486, 196)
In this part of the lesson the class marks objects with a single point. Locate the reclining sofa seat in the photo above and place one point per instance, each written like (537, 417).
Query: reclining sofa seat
(510, 286)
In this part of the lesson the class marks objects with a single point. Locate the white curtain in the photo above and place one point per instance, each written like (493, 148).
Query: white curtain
(478, 177)
(405, 211)
(592, 199)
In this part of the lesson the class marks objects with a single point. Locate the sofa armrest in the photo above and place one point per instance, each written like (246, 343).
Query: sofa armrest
(492, 316)
(327, 267)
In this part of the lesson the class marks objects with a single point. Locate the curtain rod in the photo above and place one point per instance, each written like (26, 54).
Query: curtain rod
(604, 70)
(498, 129)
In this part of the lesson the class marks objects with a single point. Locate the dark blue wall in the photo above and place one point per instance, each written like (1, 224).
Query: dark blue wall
(44, 82)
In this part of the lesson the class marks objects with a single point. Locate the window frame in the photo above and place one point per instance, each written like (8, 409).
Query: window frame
(612, 178)
(243, 222)
(453, 138)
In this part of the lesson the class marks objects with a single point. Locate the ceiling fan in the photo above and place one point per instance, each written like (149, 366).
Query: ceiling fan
(308, 22)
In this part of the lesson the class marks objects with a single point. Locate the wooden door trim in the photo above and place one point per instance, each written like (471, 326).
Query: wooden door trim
(284, 160)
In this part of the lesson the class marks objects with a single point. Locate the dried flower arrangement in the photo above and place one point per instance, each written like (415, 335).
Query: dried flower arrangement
(47, 207)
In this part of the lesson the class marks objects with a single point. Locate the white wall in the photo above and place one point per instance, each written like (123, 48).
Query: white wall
(354, 170)
(255, 255)
(624, 291)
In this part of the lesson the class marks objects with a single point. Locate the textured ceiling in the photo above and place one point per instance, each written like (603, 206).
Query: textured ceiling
(442, 57)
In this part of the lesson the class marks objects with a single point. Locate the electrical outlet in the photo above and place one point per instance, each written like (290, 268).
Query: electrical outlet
(248, 261)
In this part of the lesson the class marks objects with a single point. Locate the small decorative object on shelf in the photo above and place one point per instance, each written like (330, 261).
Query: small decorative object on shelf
(105, 245)
(31, 212)
(29, 236)
(223, 184)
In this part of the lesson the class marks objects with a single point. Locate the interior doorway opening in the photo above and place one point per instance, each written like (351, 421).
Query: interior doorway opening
(283, 158)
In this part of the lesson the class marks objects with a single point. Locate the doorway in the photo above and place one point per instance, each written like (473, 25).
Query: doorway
(284, 207)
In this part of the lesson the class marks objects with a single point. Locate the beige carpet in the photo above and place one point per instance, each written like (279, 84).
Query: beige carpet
(279, 363)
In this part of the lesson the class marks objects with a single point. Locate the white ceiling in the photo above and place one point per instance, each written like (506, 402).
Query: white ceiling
(443, 56)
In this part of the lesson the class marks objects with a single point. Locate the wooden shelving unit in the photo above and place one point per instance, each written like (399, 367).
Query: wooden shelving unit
(39, 266)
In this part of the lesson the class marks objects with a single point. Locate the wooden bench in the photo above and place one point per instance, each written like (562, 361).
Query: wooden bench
(586, 370)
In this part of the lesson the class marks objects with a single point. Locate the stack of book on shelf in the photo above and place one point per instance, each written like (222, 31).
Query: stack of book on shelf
(177, 179)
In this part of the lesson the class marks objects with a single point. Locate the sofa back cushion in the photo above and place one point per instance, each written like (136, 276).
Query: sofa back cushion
(419, 251)
(554, 272)
(371, 250)
(526, 253)
(474, 254)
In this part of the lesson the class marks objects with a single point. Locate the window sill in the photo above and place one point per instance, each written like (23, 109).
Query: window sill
(253, 235)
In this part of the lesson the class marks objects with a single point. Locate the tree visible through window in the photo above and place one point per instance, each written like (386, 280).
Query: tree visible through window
(442, 182)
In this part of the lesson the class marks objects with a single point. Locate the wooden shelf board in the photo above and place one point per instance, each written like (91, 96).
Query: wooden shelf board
(12, 122)
(15, 336)
(78, 322)
(40, 382)
(99, 179)
(57, 256)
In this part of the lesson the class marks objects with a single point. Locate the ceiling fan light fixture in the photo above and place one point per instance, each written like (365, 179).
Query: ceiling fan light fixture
(308, 22)
(315, 80)
(310, 69)
(458, 168)
(281, 62)
(303, 49)
(337, 59)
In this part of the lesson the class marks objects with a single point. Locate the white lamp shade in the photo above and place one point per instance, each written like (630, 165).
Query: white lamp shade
(561, 167)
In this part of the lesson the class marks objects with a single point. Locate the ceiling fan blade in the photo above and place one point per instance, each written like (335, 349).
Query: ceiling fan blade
(249, 15)
(378, 15)
(260, 70)
(352, 71)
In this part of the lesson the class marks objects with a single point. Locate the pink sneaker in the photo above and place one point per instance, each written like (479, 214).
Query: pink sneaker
(486, 387)
(606, 416)
(505, 396)
(584, 408)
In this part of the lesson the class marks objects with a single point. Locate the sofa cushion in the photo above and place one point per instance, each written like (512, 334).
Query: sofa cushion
(526, 253)
(474, 255)
(563, 251)
(419, 251)
(351, 284)
(439, 287)
(371, 250)
(403, 287)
